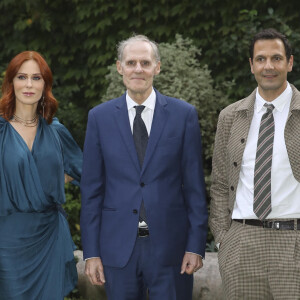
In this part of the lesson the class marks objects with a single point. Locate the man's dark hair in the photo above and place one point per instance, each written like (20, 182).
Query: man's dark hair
(271, 34)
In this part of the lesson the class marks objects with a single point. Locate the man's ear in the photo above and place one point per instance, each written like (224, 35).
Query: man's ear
(157, 68)
(251, 65)
(119, 67)
(290, 63)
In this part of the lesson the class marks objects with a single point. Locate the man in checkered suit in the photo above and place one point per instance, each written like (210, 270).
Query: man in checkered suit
(255, 206)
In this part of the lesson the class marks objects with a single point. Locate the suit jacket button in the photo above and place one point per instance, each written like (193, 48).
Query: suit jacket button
(242, 141)
(232, 188)
(235, 164)
(135, 211)
(142, 184)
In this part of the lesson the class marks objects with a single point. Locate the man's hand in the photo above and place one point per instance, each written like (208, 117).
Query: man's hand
(191, 263)
(94, 271)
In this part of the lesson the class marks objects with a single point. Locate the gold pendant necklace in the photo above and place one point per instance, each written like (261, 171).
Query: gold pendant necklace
(26, 123)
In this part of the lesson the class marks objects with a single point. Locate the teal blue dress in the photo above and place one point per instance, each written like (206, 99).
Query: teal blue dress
(36, 248)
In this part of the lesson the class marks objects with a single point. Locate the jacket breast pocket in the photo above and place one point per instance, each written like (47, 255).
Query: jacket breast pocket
(108, 209)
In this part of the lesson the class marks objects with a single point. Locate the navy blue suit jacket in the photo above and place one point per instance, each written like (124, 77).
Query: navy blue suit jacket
(171, 183)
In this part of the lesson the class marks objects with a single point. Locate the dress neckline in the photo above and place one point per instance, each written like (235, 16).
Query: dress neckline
(22, 139)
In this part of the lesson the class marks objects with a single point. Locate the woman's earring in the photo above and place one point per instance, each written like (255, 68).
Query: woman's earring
(43, 106)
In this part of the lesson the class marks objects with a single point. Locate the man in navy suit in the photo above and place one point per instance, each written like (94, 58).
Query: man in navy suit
(144, 215)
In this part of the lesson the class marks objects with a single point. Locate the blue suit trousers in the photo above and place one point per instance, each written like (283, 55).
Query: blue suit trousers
(144, 275)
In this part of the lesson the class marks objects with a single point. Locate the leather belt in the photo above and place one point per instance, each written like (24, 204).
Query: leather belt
(271, 224)
(143, 232)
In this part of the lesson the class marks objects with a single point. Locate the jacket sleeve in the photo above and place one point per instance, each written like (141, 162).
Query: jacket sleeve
(194, 186)
(92, 190)
(219, 206)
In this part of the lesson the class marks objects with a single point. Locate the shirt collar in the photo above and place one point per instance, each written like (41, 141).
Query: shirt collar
(278, 103)
(148, 103)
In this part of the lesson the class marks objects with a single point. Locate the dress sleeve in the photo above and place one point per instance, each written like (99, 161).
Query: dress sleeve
(72, 154)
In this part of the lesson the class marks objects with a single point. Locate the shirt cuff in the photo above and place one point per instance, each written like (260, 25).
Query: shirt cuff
(194, 253)
(91, 258)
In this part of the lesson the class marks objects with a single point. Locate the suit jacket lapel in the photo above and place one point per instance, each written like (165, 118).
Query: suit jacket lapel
(159, 120)
(243, 118)
(295, 101)
(122, 120)
(291, 133)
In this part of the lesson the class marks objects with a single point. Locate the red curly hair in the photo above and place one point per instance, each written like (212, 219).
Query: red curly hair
(8, 103)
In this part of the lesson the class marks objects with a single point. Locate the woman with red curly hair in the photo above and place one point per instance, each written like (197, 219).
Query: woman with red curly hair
(37, 156)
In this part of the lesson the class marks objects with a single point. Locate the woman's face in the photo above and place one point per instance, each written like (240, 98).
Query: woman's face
(28, 83)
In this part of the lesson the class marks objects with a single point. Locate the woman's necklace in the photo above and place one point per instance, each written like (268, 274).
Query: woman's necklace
(26, 123)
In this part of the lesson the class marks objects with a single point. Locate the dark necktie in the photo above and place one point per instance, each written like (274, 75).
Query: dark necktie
(263, 163)
(140, 136)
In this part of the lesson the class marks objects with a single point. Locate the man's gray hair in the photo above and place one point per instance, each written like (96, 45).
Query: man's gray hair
(137, 38)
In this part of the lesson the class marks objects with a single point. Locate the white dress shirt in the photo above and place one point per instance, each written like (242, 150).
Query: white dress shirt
(147, 116)
(147, 113)
(285, 189)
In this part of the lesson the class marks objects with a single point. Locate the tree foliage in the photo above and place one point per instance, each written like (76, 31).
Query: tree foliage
(78, 38)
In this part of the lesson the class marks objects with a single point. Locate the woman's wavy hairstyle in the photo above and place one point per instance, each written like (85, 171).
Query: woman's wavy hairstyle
(8, 102)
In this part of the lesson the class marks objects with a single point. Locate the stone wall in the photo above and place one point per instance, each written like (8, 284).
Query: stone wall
(207, 281)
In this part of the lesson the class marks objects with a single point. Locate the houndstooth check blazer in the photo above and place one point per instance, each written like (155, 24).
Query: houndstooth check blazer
(231, 137)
